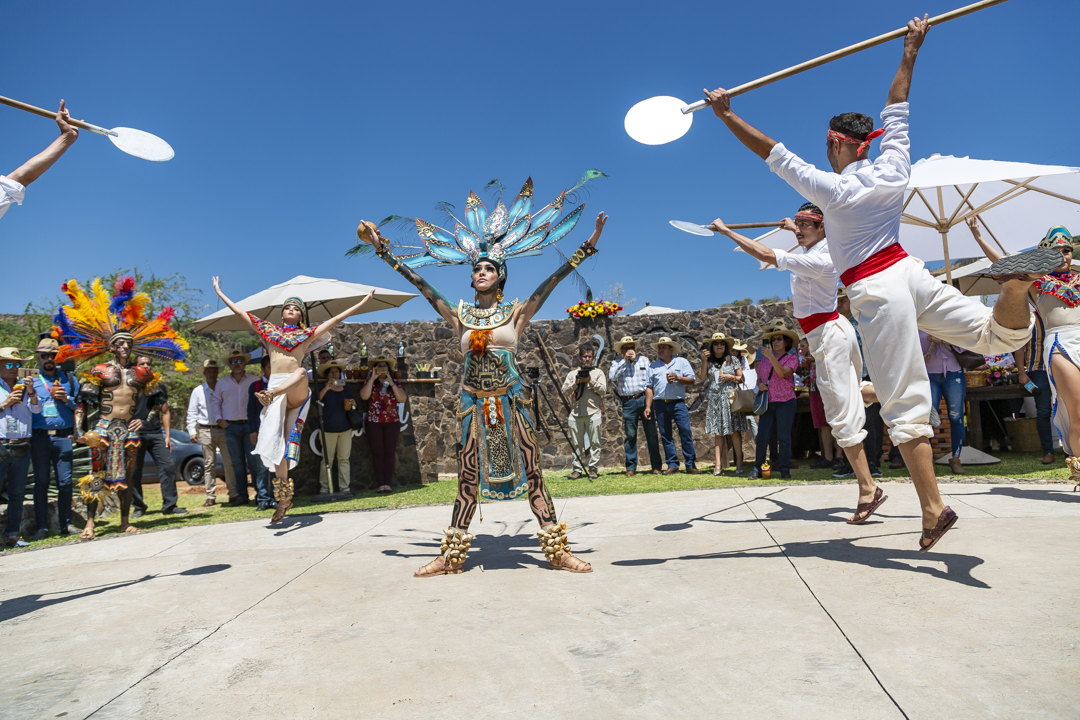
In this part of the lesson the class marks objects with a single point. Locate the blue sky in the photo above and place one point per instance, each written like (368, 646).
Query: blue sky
(292, 123)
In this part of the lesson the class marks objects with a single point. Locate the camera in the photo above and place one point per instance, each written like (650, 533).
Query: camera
(338, 383)
(583, 372)
(533, 372)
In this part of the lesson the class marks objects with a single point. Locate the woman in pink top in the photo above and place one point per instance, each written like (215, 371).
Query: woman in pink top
(777, 375)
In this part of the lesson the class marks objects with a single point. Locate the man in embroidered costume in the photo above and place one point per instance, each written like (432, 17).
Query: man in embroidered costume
(892, 295)
(286, 398)
(94, 325)
(499, 458)
(832, 339)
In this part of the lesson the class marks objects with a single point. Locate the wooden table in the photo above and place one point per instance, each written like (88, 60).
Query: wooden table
(977, 395)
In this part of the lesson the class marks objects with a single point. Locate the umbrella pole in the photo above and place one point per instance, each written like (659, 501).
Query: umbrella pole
(944, 236)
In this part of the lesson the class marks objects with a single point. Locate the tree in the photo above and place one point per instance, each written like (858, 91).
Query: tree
(617, 294)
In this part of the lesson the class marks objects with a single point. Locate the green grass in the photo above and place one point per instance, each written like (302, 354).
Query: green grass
(1013, 466)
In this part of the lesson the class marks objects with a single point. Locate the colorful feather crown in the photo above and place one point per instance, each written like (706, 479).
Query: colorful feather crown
(85, 328)
(504, 234)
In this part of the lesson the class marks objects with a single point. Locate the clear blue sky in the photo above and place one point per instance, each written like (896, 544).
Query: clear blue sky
(291, 123)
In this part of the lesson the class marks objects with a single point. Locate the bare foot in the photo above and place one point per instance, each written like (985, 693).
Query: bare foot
(88, 531)
(279, 512)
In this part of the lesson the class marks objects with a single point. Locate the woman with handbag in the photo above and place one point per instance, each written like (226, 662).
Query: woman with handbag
(722, 374)
(383, 425)
(336, 400)
(947, 379)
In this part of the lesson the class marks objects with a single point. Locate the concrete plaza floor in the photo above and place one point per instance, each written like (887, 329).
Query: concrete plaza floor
(738, 602)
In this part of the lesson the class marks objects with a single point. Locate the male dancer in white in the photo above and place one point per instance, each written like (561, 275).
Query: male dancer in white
(892, 295)
(833, 342)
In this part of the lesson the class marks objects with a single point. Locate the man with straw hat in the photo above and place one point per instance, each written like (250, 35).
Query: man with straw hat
(18, 405)
(629, 376)
(50, 447)
(230, 408)
(892, 294)
(666, 393)
(831, 338)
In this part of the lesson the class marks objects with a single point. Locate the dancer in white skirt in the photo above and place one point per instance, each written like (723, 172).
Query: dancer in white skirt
(892, 295)
(833, 342)
(1057, 301)
(285, 401)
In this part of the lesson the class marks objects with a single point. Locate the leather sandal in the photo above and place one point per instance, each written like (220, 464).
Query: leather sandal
(433, 568)
(569, 562)
(945, 521)
(863, 511)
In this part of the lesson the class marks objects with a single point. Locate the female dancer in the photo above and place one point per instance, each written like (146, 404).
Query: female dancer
(723, 372)
(499, 454)
(286, 398)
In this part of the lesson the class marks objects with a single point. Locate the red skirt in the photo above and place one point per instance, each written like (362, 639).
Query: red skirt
(817, 410)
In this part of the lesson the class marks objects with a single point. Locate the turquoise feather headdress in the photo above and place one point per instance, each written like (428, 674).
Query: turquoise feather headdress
(503, 234)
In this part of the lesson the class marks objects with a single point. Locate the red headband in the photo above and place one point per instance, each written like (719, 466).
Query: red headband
(808, 215)
(848, 140)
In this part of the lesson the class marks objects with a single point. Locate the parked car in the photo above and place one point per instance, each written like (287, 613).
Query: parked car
(187, 459)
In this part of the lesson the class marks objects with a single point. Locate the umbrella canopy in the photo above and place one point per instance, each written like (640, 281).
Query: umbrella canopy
(324, 298)
(1017, 202)
(655, 310)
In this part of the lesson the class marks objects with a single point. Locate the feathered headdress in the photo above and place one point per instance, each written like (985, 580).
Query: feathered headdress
(87, 326)
(504, 234)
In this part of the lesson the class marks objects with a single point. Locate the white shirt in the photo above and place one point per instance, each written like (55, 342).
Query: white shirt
(813, 278)
(862, 204)
(15, 421)
(200, 409)
(231, 398)
(10, 192)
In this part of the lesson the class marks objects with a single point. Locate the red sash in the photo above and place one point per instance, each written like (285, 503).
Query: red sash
(874, 264)
(816, 320)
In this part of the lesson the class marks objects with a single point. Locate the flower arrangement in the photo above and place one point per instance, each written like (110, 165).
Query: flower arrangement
(996, 375)
(593, 309)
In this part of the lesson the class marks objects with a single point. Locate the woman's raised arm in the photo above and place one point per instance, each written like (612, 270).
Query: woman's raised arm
(328, 325)
(530, 307)
(232, 306)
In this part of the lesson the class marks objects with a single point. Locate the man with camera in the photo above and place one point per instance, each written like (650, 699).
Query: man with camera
(584, 387)
(18, 404)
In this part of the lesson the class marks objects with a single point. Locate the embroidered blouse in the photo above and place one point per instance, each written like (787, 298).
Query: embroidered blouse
(382, 405)
(1059, 297)
(286, 337)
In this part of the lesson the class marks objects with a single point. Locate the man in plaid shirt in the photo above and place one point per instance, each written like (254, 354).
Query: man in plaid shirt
(629, 377)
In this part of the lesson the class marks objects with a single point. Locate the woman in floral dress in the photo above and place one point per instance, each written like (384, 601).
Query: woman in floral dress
(722, 372)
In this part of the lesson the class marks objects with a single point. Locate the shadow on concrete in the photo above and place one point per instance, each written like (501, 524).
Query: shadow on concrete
(494, 552)
(784, 512)
(292, 523)
(17, 607)
(1015, 492)
(958, 567)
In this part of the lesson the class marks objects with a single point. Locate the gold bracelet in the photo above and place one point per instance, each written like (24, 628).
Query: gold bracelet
(580, 254)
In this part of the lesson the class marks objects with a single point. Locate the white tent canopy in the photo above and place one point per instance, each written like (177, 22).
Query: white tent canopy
(324, 298)
(1017, 203)
(655, 310)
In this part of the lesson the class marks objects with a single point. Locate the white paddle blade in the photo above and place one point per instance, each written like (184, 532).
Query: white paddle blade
(692, 228)
(141, 144)
(658, 120)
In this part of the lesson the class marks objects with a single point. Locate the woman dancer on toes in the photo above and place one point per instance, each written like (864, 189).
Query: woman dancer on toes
(1056, 298)
(285, 401)
(723, 372)
(499, 454)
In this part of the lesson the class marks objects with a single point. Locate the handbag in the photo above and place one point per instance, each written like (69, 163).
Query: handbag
(741, 400)
(761, 402)
(355, 417)
(969, 359)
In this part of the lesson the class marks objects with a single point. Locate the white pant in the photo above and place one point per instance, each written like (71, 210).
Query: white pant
(891, 307)
(1063, 341)
(835, 348)
(580, 426)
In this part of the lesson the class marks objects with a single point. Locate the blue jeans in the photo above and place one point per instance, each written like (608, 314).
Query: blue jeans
(13, 472)
(1044, 409)
(954, 386)
(49, 453)
(238, 441)
(666, 412)
(782, 417)
(632, 411)
(261, 476)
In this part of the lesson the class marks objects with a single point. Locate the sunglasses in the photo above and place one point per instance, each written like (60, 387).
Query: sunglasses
(13, 365)
(238, 361)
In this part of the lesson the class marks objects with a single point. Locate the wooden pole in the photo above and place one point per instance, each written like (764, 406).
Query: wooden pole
(843, 52)
(51, 114)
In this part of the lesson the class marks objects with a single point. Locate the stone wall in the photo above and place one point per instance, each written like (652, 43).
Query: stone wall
(429, 442)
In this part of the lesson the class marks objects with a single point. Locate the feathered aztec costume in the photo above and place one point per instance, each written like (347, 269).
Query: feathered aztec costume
(86, 329)
(499, 451)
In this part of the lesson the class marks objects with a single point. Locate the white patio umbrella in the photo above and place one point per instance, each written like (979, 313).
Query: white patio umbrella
(323, 297)
(1017, 203)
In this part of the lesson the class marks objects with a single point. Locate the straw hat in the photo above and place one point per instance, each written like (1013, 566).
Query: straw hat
(10, 353)
(324, 369)
(210, 363)
(391, 362)
(626, 340)
(777, 327)
(665, 340)
(721, 337)
(236, 354)
(739, 346)
(841, 292)
(47, 345)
